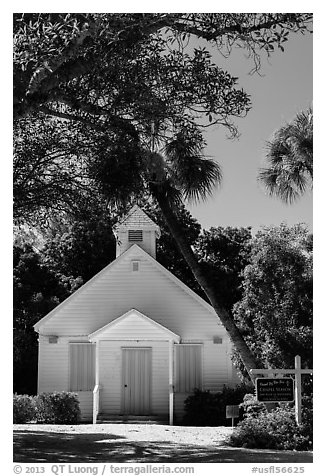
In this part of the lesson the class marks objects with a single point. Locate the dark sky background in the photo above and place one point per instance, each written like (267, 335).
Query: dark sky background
(283, 88)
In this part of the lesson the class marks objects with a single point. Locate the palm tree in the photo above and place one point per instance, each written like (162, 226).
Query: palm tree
(127, 169)
(179, 174)
(290, 158)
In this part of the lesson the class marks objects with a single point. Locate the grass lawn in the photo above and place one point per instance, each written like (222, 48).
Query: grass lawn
(137, 443)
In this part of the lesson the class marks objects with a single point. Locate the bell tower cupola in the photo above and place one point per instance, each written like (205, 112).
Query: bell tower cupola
(136, 228)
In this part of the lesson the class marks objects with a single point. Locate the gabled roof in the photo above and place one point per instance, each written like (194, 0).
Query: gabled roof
(136, 219)
(161, 331)
(74, 295)
(115, 264)
(177, 281)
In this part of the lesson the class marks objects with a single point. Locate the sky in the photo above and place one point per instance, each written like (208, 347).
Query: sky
(283, 88)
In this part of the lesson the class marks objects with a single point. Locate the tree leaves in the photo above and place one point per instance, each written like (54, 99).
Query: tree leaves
(49, 173)
(100, 75)
(224, 253)
(75, 45)
(275, 312)
(290, 159)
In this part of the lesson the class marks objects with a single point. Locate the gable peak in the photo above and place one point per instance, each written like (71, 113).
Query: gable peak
(137, 217)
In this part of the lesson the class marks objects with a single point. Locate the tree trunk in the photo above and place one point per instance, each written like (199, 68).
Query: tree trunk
(227, 320)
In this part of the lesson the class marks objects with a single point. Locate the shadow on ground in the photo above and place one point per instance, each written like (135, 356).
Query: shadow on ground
(55, 447)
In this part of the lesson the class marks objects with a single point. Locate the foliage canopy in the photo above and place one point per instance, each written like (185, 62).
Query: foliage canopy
(275, 312)
(118, 85)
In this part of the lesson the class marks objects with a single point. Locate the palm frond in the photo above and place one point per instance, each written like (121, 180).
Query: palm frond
(290, 159)
(195, 175)
(288, 187)
(199, 179)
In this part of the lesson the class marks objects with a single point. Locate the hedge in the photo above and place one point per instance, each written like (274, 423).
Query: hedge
(56, 408)
(204, 408)
(23, 408)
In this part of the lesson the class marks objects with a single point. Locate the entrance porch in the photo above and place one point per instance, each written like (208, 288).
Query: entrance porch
(133, 369)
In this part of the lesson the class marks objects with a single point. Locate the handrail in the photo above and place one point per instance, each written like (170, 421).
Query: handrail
(96, 402)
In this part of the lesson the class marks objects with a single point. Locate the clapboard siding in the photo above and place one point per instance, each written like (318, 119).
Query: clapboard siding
(53, 371)
(117, 289)
(218, 367)
(215, 366)
(110, 356)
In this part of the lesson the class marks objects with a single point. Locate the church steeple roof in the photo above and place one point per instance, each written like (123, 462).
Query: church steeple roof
(136, 219)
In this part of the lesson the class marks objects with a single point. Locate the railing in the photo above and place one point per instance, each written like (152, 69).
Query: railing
(96, 402)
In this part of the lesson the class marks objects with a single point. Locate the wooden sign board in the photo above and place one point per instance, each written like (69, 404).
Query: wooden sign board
(232, 411)
(274, 389)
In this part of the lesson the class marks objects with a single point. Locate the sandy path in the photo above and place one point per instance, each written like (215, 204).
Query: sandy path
(142, 432)
(142, 443)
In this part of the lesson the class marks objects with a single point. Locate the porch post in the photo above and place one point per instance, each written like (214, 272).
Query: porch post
(97, 365)
(96, 396)
(171, 382)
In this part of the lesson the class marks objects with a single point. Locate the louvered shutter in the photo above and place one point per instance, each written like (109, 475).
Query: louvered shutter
(82, 367)
(188, 368)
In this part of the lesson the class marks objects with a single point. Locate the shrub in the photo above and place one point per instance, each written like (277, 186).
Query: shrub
(201, 409)
(57, 407)
(251, 407)
(204, 408)
(23, 408)
(276, 429)
(307, 418)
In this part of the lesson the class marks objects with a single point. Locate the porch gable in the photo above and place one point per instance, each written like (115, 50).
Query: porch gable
(133, 325)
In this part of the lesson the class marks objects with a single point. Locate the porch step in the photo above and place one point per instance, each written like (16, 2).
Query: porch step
(133, 419)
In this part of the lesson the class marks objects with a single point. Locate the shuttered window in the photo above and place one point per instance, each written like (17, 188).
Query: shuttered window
(188, 371)
(82, 367)
(135, 235)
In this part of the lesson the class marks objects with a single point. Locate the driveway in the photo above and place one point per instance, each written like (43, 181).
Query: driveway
(143, 443)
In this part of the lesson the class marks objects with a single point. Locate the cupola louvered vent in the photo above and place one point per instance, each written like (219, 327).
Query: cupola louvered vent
(135, 236)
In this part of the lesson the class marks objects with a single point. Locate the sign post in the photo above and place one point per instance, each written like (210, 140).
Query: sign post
(281, 389)
(298, 389)
(232, 411)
